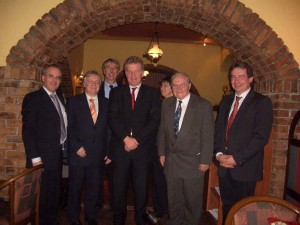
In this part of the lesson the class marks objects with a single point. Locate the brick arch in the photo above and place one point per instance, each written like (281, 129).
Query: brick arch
(228, 22)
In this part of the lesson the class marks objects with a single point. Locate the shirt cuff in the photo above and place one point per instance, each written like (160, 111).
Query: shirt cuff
(218, 153)
(35, 160)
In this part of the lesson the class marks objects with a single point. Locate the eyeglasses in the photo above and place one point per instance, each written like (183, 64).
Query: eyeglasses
(52, 77)
(179, 86)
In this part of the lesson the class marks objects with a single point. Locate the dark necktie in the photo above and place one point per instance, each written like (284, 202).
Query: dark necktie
(177, 118)
(110, 87)
(63, 133)
(132, 98)
(232, 117)
(93, 110)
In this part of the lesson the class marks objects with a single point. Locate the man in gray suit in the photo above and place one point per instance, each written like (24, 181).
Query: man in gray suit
(185, 145)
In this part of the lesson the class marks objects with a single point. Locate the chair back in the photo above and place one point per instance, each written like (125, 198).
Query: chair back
(260, 210)
(24, 191)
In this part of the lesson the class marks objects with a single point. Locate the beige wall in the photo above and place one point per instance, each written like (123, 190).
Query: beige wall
(17, 16)
(201, 63)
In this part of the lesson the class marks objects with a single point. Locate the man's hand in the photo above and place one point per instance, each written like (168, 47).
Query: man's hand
(81, 152)
(130, 143)
(162, 160)
(203, 167)
(226, 161)
(107, 160)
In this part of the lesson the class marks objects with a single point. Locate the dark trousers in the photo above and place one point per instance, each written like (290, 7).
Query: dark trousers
(232, 191)
(109, 178)
(160, 201)
(122, 170)
(78, 177)
(49, 197)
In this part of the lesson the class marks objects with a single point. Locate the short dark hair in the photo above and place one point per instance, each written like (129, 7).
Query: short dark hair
(45, 69)
(110, 60)
(242, 65)
(133, 60)
(165, 80)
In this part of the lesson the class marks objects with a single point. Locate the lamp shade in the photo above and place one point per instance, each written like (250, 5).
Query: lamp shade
(155, 52)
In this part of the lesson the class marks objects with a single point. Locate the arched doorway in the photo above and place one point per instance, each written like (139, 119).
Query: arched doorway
(229, 23)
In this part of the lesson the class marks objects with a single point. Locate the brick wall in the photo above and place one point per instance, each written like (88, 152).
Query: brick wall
(228, 22)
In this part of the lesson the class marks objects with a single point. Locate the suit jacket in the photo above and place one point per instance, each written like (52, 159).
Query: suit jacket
(101, 92)
(247, 137)
(84, 133)
(41, 129)
(194, 142)
(143, 121)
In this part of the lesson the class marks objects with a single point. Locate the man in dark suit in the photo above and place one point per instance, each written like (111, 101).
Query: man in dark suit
(242, 130)
(185, 145)
(87, 115)
(111, 69)
(134, 114)
(44, 133)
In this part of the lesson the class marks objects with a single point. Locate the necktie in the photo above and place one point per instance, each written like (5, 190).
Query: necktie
(232, 117)
(93, 110)
(110, 88)
(132, 98)
(177, 118)
(63, 132)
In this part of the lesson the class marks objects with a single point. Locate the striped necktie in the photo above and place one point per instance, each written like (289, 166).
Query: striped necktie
(93, 110)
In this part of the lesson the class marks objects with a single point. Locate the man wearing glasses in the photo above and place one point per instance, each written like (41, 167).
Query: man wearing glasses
(44, 134)
(185, 144)
(87, 115)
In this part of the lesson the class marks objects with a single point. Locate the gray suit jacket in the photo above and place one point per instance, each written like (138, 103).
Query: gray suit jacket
(194, 142)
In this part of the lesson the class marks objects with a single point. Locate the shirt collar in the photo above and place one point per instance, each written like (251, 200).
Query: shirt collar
(185, 100)
(48, 92)
(89, 97)
(244, 94)
(137, 87)
(107, 84)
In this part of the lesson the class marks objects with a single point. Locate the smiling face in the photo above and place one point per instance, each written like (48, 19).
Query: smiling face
(51, 79)
(180, 86)
(111, 71)
(134, 73)
(165, 89)
(92, 84)
(240, 81)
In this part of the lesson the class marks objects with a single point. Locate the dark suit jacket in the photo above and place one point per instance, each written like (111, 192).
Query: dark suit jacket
(83, 132)
(101, 92)
(143, 121)
(194, 142)
(248, 135)
(41, 129)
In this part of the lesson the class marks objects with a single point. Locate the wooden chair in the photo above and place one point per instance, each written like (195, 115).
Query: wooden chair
(256, 210)
(24, 190)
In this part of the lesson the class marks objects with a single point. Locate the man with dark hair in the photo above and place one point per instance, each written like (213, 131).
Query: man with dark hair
(87, 114)
(111, 69)
(134, 114)
(242, 129)
(44, 134)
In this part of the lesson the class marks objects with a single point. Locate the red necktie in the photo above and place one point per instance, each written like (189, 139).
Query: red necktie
(132, 98)
(232, 117)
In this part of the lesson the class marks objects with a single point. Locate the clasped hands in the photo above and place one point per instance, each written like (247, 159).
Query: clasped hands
(82, 153)
(130, 143)
(226, 161)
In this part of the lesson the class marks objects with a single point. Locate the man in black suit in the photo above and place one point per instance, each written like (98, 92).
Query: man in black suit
(111, 69)
(134, 115)
(87, 115)
(242, 130)
(44, 133)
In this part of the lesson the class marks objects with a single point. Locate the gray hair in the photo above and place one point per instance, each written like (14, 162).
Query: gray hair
(181, 74)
